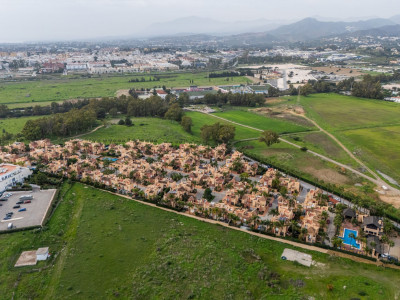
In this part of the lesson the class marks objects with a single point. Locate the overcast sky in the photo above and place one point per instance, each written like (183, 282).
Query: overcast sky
(27, 20)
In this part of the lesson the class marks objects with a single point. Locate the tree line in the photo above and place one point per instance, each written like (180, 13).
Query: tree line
(39, 110)
(64, 124)
(230, 98)
(226, 74)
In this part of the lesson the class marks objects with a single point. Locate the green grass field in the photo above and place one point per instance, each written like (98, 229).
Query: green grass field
(160, 130)
(367, 127)
(145, 129)
(200, 119)
(14, 125)
(305, 164)
(321, 143)
(106, 86)
(260, 122)
(117, 248)
(378, 146)
(338, 112)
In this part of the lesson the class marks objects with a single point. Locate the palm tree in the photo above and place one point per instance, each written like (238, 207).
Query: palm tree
(274, 212)
(303, 233)
(391, 244)
(293, 226)
(269, 224)
(352, 237)
(322, 223)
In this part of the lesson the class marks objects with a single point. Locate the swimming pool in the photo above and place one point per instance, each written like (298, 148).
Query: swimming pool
(350, 241)
(110, 159)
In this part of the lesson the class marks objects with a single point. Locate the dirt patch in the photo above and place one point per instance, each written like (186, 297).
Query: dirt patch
(288, 113)
(391, 199)
(338, 71)
(327, 175)
(275, 100)
(119, 93)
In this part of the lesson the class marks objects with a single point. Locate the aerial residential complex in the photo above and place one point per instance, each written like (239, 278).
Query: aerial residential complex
(207, 182)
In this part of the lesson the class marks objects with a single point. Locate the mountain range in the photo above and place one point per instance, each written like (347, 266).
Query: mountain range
(262, 31)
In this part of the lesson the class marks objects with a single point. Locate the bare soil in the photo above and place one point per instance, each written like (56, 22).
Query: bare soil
(327, 175)
(338, 71)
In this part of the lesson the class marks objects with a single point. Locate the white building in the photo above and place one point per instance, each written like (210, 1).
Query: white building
(42, 253)
(11, 174)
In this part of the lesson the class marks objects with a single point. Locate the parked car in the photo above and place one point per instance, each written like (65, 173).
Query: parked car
(20, 202)
(3, 199)
(7, 218)
(22, 209)
(27, 201)
(16, 206)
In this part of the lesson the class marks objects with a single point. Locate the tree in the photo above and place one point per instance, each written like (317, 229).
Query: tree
(352, 237)
(174, 112)
(306, 89)
(128, 121)
(208, 195)
(244, 176)
(269, 137)
(219, 133)
(337, 242)
(121, 122)
(187, 123)
(113, 111)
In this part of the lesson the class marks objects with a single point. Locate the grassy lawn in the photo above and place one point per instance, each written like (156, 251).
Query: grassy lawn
(117, 248)
(260, 122)
(145, 129)
(106, 86)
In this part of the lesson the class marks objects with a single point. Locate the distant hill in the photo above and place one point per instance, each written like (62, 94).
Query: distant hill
(310, 28)
(391, 30)
(199, 25)
(395, 19)
(198, 29)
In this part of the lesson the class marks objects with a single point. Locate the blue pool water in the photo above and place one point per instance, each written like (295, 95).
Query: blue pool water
(110, 159)
(349, 241)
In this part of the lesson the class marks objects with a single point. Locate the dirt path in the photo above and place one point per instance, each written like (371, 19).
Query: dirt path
(82, 134)
(272, 238)
(341, 146)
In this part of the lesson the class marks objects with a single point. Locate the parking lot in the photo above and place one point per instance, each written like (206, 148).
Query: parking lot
(35, 211)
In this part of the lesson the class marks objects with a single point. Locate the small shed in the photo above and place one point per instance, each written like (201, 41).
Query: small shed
(42, 253)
